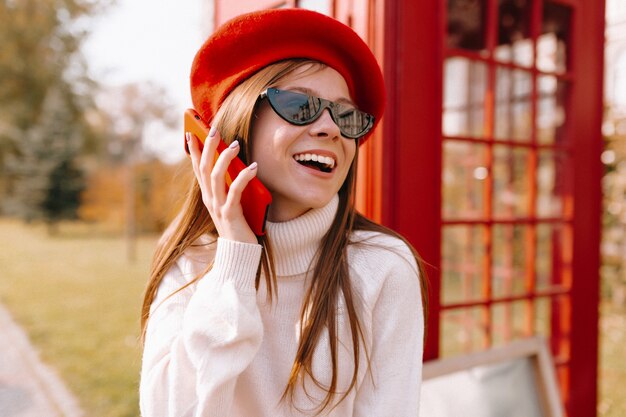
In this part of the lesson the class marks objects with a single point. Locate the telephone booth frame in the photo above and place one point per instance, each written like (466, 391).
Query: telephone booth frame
(527, 264)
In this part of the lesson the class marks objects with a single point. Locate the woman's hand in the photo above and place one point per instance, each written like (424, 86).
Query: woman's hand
(224, 205)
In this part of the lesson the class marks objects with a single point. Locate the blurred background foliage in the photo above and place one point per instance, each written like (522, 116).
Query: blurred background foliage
(81, 200)
(69, 147)
(614, 215)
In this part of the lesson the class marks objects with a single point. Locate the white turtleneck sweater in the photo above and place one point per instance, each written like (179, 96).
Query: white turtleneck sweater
(220, 348)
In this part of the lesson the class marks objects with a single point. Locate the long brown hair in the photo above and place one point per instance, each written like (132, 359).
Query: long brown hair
(330, 278)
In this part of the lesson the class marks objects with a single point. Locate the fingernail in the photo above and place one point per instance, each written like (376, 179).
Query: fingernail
(253, 166)
(213, 131)
(187, 136)
(233, 144)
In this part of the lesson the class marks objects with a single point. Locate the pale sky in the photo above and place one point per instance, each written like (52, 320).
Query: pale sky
(151, 40)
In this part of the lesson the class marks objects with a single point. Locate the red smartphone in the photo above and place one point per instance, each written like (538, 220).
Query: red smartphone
(255, 199)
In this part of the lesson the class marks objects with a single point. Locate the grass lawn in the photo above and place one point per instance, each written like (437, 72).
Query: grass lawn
(79, 300)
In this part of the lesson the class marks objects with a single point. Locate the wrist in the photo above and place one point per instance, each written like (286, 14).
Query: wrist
(237, 261)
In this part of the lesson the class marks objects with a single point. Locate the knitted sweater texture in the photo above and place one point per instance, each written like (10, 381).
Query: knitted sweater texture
(221, 348)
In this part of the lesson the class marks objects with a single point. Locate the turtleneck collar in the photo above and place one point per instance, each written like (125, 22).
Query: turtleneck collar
(296, 241)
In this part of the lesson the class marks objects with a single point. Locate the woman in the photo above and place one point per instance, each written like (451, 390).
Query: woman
(323, 314)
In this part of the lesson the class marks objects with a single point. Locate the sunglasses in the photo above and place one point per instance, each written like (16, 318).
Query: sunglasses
(301, 109)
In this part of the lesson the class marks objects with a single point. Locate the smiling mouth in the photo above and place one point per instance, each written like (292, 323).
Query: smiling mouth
(318, 162)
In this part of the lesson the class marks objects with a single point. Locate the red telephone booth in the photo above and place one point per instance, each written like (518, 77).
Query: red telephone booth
(488, 161)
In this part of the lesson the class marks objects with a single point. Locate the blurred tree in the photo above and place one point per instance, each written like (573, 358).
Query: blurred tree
(127, 110)
(47, 182)
(63, 194)
(614, 216)
(44, 94)
(161, 189)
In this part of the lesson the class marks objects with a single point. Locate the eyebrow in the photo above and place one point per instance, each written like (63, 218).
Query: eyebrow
(310, 92)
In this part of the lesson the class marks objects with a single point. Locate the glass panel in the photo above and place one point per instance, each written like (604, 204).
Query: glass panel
(554, 39)
(554, 190)
(508, 322)
(465, 87)
(514, 42)
(509, 260)
(512, 176)
(553, 265)
(467, 24)
(542, 317)
(552, 320)
(513, 119)
(464, 172)
(322, 6)
(463, 331)
(463, 263)
(551, 110)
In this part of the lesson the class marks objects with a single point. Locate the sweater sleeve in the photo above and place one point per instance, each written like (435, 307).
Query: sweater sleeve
(393, 387)
(198, 341)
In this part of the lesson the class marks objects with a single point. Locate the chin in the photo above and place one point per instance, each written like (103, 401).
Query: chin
(317, 201)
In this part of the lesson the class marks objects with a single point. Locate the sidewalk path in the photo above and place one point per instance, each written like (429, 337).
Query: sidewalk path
(28, 387)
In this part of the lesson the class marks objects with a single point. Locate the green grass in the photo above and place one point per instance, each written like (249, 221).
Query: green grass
(79, 300)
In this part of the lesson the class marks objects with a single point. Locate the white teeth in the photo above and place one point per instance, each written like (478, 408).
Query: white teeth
(327, 160)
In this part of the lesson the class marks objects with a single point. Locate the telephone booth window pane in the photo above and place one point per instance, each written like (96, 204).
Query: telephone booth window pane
(514, 41)
(552, 322)
(509, 322)
(553, 264)
(509, 257)
(464, 174)
(464, 331)
(542, 317)
(465, 86)
(554, 197)
(513, 105)
(551, 110)
(511, 182)
(467, 24)
(552, 46)
(463, 259)
(321, 6)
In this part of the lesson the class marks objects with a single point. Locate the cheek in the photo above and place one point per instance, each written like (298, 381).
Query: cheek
(270, 136)
(266, 144)
(351, 154)
(262, 122)
(350, 151)
(267, 168)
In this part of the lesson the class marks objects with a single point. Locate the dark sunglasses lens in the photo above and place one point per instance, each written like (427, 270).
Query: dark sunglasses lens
(294, 107)
(352, 122)
(301, 109)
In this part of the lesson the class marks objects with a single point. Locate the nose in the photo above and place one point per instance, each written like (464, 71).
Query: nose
(325, 127)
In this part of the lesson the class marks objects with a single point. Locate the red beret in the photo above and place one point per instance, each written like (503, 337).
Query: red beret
(247, 43)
